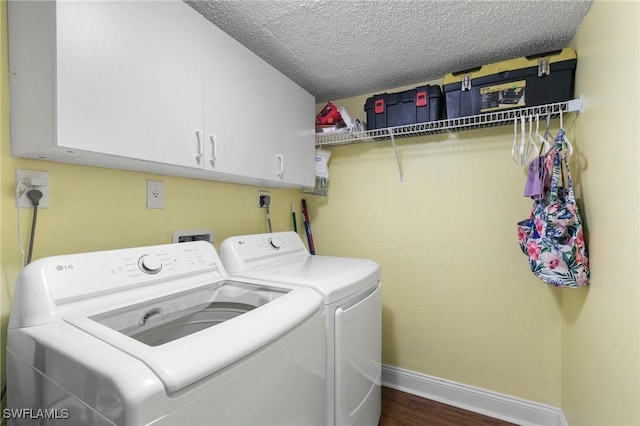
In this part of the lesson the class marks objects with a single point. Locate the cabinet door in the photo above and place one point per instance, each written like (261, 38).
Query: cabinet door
(129, 79)
(258, 123)
(234, 127)
(292, 136)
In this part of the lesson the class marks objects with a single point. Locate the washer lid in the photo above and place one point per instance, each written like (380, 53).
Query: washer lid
(334, 277)
(166, 333)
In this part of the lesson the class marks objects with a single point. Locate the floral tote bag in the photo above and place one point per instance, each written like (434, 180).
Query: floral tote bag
(552, 237)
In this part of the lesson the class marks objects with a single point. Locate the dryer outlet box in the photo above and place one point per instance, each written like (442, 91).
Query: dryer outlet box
(186, 235)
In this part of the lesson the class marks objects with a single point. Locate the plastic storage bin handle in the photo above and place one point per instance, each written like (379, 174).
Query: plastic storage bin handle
(378, 106)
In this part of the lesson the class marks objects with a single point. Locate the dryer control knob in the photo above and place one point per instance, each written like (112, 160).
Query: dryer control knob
(149, 265)
(275, 242)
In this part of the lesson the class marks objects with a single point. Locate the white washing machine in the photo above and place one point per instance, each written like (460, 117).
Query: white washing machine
(352, 296)
(161, 335)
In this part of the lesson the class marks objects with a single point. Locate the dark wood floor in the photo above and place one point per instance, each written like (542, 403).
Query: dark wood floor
(404, 409)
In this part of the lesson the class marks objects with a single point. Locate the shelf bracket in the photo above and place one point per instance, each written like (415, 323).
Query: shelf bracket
(395, 152)
(575, 105)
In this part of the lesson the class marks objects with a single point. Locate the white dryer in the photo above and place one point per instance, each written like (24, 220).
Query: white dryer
(351, 290)
(161, 335)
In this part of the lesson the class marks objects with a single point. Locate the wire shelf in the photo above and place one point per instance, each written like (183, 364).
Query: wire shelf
(491, 119)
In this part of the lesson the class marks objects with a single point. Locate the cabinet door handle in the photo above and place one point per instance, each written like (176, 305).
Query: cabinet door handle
(200, 147)
(280, 170)
(214, 152)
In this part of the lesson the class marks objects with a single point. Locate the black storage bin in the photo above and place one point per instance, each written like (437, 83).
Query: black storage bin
(413, 106)
(517, 83)
(376, 109)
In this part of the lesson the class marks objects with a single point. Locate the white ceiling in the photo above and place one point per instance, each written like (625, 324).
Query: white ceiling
(341, 48)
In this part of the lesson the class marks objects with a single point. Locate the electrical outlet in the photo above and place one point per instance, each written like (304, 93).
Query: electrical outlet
(155, 194)
(260, 195)
(27, 180)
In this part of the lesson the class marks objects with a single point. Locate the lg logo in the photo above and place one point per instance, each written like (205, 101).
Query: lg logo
(63, 267)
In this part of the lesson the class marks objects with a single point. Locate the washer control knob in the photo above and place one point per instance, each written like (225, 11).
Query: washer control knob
(275, 242)
(149, 264)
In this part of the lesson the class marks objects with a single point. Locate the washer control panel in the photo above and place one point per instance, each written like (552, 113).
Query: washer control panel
(79, 275)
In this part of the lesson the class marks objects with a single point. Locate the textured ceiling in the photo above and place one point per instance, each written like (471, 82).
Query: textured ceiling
(339, 48)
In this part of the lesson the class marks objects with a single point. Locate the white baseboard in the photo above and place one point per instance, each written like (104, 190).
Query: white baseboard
(489, 403)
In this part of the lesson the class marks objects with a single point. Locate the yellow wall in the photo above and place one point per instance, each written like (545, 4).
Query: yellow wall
(97, 209)
(601, 333)
(458, 299)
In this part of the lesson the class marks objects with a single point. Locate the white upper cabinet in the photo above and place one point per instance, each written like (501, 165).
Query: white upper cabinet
(154, 87)
(264, 113)
(129, 83)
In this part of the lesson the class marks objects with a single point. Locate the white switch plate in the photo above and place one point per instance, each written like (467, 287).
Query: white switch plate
(155, 194)
(22, 201)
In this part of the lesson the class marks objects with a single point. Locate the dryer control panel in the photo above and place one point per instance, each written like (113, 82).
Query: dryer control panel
(251, 251)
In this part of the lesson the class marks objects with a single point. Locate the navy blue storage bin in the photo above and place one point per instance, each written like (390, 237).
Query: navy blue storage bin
(413, 106)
